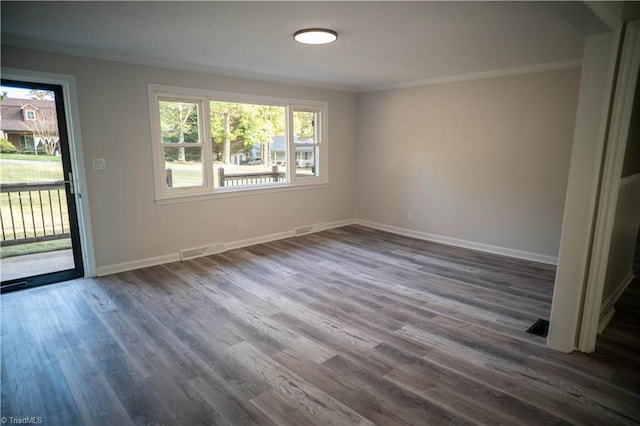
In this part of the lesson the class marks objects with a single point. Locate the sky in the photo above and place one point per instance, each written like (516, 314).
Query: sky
(13, 92)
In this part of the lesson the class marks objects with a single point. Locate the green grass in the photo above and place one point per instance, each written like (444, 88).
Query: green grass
(48, 158)
(12, 171)
(185, 174)
(43, 247)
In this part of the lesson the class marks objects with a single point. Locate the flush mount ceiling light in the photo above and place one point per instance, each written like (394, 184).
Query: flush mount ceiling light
(315, 36)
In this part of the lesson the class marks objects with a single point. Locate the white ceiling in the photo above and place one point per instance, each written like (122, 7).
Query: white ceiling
(380, 44)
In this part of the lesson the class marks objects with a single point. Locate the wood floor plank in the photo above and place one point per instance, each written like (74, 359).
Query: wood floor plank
(282, 410)
(489, 405)
(419, 309)
(342, 347)
(32, 381)
(377, 410)
(228, 408)
(507, 364)
(526, 360)
(98, 403)
(354, 337)
(181, 384)
(318, 404)
(192, 351)
(405, 401)
(347, 326)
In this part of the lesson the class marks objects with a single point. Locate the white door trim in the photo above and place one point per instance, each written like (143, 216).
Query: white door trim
(68, 83)
(610, 185)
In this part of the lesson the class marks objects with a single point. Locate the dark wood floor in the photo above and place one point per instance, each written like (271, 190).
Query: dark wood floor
(347, 326)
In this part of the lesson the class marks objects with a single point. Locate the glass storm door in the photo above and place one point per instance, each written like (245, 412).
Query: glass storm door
(40, 241)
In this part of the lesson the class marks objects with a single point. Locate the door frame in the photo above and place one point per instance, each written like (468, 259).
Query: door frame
(72, 113)
(610, 185)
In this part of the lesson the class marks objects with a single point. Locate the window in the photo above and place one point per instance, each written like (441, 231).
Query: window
(305, 140)
(182, 143)
(30, 115)
(211, 143)
(26, 143)
(249, 145)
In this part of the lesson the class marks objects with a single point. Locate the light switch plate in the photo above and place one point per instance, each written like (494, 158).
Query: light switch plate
(99, 164)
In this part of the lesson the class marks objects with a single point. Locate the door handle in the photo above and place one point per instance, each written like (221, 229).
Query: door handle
(72, 188)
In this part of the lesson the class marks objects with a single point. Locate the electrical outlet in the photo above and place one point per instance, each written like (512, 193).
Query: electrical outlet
(409, 217)
(240, 226)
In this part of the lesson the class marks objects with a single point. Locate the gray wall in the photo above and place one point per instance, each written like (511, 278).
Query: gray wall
(482, 161)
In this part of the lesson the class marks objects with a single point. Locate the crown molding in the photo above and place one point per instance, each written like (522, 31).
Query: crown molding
(504, 72)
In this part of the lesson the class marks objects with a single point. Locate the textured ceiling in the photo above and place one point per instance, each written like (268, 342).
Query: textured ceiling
(380, 43)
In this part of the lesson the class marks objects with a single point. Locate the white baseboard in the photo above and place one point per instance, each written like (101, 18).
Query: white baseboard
(535, 257)
(259, 240)
(287, 234)
(604, 319)
(340, 223)
(607, 310)
(175, 257)
(136, 264)
(633, 179)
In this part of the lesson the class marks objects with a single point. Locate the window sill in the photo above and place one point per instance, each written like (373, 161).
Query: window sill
(238, 192)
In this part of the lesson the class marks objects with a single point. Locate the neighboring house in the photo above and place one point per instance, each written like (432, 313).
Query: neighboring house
(239, 158)
(304, 154)
(30, 124)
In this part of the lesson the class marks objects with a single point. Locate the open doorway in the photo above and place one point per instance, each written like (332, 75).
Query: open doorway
(40, 241)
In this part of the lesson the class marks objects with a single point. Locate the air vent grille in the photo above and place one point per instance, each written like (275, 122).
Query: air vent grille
(308, 229)
(193, 253)
(539, 328)
(304, 230)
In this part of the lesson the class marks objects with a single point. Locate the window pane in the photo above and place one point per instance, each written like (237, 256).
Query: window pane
(182, 173)
(179, 122)
(306, 161)
(304, 126)
(26, 142)
(249, 146)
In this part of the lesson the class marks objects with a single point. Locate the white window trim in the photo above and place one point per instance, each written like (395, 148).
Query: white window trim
(319, 142)
(27, 117)
(164, 195)
(162, 192)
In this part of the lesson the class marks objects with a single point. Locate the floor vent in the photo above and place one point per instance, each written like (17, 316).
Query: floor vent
(192, 253)
(308, 229)
(539, 328)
